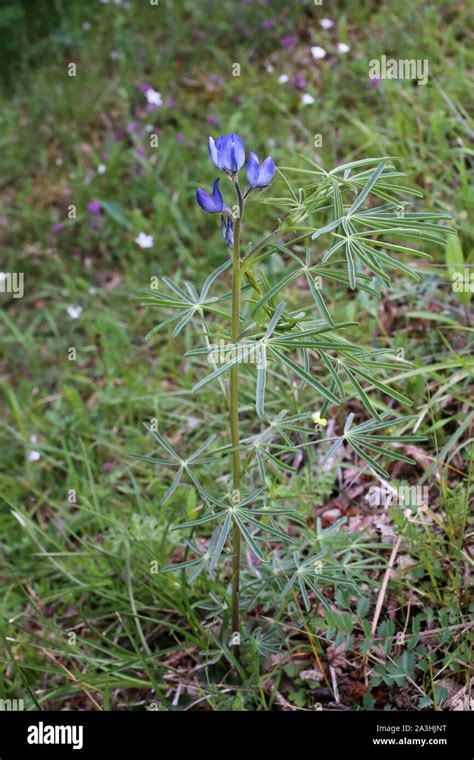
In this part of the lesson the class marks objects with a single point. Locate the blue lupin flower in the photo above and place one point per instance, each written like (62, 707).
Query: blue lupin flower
(259, 176)
(212, 204)
(227, 152)
(227, 227)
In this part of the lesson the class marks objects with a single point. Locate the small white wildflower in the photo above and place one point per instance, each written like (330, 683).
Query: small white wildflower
(307, 99)
(326, 23)
(101, 169)
(343, 47)
(74, 311)
(153, 97)
(33, 456)
(144, 241)
(33, 438)
(283, 79)
(318, 52)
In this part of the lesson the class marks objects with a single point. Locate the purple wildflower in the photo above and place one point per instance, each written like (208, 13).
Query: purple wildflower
(94, 208)
(299, 81)
(288, 42)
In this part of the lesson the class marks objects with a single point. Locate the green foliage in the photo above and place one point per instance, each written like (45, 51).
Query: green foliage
(288, 345)
(89, 567)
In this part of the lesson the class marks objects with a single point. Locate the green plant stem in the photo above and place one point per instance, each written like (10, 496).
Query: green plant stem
(234, 420)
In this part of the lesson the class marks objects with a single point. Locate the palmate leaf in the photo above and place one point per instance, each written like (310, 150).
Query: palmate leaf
(202, 562)
(260, 348)
(337, 564)
(326, 184)
(305, 574)
(308, 270)
(361, 438)
(185, 303)
(263, 454)
(277, 344)
(269, 642)
(387, 219)
(250, 521)
(309, 379)
(242, 352)
(261, 445)
(367, 188)
(359, 366)
(176, 461)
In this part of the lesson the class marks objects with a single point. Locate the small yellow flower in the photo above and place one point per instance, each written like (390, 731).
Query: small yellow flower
(318, 420)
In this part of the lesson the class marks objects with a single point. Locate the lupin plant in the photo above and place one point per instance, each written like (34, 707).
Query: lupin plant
(303, 345)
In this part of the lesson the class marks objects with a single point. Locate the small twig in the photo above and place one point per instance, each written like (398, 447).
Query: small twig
(383, 587)
(311, 642)
(74, 678)
(334, 683)
(381, 597)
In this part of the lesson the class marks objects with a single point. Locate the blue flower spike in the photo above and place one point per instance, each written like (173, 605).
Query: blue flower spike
(227, 227)
(212, 204)
(227, 152)
(259, 176)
